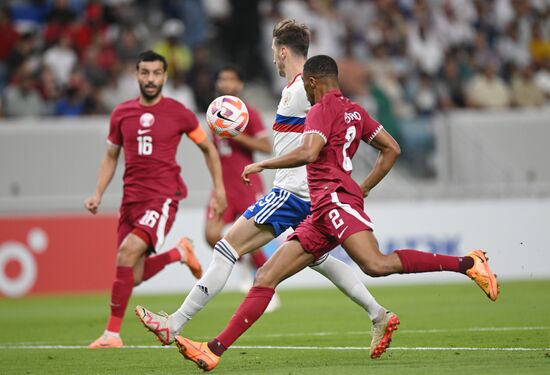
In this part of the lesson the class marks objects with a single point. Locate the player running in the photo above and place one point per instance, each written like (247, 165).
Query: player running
(334, 128)
(235, 154)
(149, 128)
(284, 207)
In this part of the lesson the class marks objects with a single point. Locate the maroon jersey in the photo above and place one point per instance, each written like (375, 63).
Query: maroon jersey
(342, 124)
(234, 157)
(150, 136)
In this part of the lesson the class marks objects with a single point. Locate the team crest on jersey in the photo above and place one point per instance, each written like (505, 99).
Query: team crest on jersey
(147, 120)
(286, 98)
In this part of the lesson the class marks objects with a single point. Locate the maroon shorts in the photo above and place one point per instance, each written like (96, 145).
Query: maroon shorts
(153, 217)
(330, 225)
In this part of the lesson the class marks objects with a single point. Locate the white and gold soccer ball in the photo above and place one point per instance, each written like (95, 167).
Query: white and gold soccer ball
(227, 116)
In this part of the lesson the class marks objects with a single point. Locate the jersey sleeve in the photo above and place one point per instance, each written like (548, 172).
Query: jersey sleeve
(318, 123)
(191, 127)
(255, 127)
(115, 134)
(371, 127)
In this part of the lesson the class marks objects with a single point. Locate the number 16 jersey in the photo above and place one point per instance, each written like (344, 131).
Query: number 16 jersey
(150, 136)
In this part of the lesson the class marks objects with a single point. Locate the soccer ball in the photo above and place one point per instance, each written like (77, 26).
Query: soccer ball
(227, 116)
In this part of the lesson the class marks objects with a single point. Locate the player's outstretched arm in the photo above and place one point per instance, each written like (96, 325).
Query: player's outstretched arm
(106, 172)
(389, 152)
(212, 158)
(302, 155)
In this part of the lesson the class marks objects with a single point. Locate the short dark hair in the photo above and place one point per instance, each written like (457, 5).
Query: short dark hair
(292, 35)
(320, 65)
(151, 56)
(231, 68)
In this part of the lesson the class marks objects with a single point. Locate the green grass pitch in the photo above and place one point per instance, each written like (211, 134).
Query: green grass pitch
(445, 329)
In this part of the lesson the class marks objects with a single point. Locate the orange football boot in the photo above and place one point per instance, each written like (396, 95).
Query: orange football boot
(482, 274)
(197, 352)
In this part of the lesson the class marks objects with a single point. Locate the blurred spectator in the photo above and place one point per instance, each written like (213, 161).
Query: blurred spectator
(483, 54)
(201, 79)
(178, 55)
(511, 49)
(425, 95)
(424, 47)
(47, 85)
(22, 98)
(61, 59)
(8, 38)
(194, 16)
(450, 86)
(75, 100)
(539, 46)
(59, 21)
(525, 93)
(128, 46)
(92, 29)
(386, 78)
(123, 86)
(176, 88)
(25, 51)
(452, 30)
(94, 73)
(542, 78)
(487, 90)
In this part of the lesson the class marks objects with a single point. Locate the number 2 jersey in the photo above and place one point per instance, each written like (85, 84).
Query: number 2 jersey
(150, 136)
(342, 124)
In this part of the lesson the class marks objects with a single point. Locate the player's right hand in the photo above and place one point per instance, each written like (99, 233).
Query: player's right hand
(92, 203)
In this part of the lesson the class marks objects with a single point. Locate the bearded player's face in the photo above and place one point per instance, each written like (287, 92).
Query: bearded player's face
(151, 76)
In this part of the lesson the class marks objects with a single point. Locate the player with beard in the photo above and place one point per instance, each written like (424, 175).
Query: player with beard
(149, 128)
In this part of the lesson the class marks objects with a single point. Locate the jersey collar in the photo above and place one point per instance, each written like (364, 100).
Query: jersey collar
(293, 80)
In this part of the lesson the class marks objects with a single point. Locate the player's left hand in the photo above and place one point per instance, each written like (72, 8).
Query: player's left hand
(250, 169)
(218, 204)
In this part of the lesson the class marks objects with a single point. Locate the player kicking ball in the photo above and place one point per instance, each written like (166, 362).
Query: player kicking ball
(285, 206)
(334, 128)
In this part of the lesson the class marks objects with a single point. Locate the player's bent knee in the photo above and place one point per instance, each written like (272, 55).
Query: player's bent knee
(212, 238)
(264, 278)
(128, 255)
(374, 268)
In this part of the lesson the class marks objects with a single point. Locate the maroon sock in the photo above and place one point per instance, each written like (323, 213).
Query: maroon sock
(258, 258)
(248, 312)
(415, 261)
(155, 264)
(120, 294)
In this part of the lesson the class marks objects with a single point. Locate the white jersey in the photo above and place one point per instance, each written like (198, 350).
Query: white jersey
(288, 130)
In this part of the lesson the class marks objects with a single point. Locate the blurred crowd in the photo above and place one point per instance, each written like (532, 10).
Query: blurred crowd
(404, 60)
(400, 58)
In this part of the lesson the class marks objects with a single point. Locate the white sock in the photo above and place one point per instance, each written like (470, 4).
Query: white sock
(345, 278)
(111, 333)
(210, 284)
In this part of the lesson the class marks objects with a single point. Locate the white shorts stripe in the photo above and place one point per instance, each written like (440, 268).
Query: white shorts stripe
(276, 198)
(350, 210)
(162, 223)
(272, 207)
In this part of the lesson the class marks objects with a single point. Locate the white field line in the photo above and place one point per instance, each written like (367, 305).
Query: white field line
(297, 334)
(408, 331)
(273, 347)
